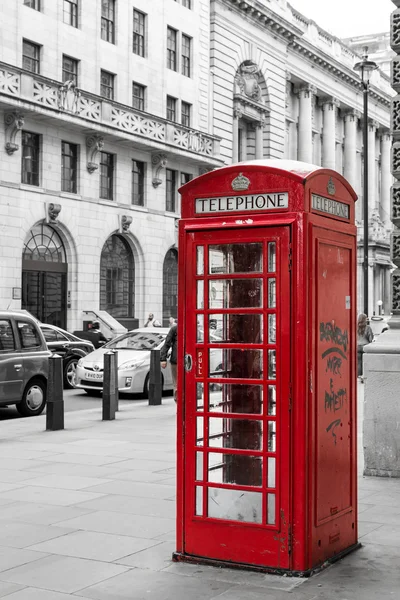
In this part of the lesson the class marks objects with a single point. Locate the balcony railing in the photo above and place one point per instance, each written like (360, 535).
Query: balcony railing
(68, 99)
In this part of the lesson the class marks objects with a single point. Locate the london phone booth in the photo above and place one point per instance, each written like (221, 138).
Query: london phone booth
(267, 466)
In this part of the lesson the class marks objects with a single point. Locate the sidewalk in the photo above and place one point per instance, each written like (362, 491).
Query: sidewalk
(89, 513)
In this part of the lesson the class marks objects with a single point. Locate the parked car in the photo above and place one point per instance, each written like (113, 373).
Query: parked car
(133, 362)
(67, 345)
(23, 363)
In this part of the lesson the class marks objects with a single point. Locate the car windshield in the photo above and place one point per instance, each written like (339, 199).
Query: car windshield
(137, 340)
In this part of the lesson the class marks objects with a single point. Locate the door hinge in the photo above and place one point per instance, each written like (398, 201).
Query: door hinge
(290, 540)
(290, 257)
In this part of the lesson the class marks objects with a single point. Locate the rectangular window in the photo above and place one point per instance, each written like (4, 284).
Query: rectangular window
(172, 49)
(30, 56)
(28, 335)
(35, 4)
(186, 52)
(185, 178)
(137, 183)
(106, 176)
(138, 96)
(71, 12)
(30, 158)
(187, 3)
(138, 33)
(7, 343)
(171, 108)
(69, 163)
(107, 20)
(107, 85)
(170, 190)
(185, 113)
(70, 69)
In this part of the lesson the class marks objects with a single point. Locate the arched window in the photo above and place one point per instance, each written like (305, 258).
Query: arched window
(43, 243)
(170, 286)
(117, 278)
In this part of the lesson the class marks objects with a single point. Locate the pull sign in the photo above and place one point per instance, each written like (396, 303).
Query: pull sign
(188, 363)
(348, 304)
(200, 363)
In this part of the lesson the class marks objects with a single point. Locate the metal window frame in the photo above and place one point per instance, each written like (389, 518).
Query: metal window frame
(141, 98)
(186, 55)
(36, 4)
(107, 169)
(71, 12)
(172, 52)
(108, 19)
(35, 59)
(74, 74)
(138, 197)
(35, 148)
(186, 117)
(139, 37)
(170, 190)
(71, 181)
(171, 110)
(104, 86)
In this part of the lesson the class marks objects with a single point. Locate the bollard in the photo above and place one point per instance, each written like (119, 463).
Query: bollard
(110, 386)
(155, 379)
(55, 401)
(115, 352)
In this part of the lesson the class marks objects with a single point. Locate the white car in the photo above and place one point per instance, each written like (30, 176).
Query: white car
(133, 362)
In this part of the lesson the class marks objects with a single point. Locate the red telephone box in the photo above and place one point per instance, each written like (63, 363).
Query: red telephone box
(267, 469)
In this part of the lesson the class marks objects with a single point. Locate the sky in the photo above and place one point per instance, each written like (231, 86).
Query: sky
(348, 18)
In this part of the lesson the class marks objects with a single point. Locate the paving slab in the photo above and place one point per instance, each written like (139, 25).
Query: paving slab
(53, 496)
(30, 593)
(15, 557)
(23, 535)
(131, 505)
(7, 588)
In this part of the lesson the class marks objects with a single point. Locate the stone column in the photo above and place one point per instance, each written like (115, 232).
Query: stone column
(305, 123)
(329, 133)
(237, 114)
(260, 138)
(350, 147)
(373, 201)
(387, 300)
(386, 178)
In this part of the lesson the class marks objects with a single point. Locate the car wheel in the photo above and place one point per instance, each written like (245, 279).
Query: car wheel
(34, 399)
(146, 385)
(92, 392)
(69, 373)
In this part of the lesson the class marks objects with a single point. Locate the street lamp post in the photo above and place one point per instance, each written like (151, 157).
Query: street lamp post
(365, 68)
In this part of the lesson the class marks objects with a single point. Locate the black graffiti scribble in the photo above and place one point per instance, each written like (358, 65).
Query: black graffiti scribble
(332, 350)
(334, 364)
(332, 428)
(330, 333)
(334, 401)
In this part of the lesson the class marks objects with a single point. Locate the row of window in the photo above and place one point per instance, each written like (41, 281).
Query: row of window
(30, 172)
(139, 44)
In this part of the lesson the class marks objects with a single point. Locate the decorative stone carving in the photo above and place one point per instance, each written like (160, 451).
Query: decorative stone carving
(237, 112)
(125, 223)
(14, 122)
(329, 103)
(306, 91)
(53, 210)
(377, 230)
(396, 204)
(94, 145)
(396, 160)
(159, 161)
(396, 292)
(396, 248)
(395, 31)
(68, 96)
(396, 73)
(204, 170)
(396, 115)
(247, 81)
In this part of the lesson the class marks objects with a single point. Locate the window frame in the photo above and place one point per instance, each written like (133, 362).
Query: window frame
(108, 165)
(20, 324)
(35, 59)
(170, 190)
(75, 63)
(138, 199)
(35, 2)
(171, 111)
(72, 13)
(186, 55)
(107, 26)
(186, 116)
(104, 86)
(74, 157)
(35, 174)
(185, 177)
(172, 53)
(137, 36)
(141, 99)
(8, 324)
(187, 4)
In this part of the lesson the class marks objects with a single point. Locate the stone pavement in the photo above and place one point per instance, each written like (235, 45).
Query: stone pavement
(88, 513)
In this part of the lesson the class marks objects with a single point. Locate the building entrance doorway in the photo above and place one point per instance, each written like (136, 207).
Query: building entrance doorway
(44, 276)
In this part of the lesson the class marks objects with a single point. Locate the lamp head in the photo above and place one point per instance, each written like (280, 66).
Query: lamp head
(365, 67)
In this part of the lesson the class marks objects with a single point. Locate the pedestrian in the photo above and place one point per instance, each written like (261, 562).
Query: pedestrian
(98, 338)
(364, 337)
(172, 321)
(171, 342)
(152, 321)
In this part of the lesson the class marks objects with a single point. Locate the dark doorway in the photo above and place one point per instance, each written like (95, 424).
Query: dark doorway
(44, 276)
(117, 279)
(170, 286)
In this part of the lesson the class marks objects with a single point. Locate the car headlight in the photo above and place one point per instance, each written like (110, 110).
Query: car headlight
(130, 364)
(80, 362)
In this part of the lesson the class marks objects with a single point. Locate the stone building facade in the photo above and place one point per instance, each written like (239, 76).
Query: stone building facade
(104, 113)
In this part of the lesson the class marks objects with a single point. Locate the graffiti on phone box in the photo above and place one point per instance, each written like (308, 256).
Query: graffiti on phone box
(330, 333)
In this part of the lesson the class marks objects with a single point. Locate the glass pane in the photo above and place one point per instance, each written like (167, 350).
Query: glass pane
(271, 472)
(200, 293)
(200, 260)
(199, 501)
(200, 396)
(271, 257)
(199, 431)
(234, 468)
(199, 466)
(236, 398)
(271, 436)
(235, 258)
(272, 400)
(236, 329)
(235, 433)
(236, 363)
(235, 505)
(235, 293)
(271, 329)
(271, 364)
(200, 328)
(271, 293)
(271, 509)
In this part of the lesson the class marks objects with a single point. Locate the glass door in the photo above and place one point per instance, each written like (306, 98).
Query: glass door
(237, 396)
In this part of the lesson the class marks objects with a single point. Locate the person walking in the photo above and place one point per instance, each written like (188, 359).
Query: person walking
(152, 321)
(171, 342)
(364, 337)
(98, 335)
